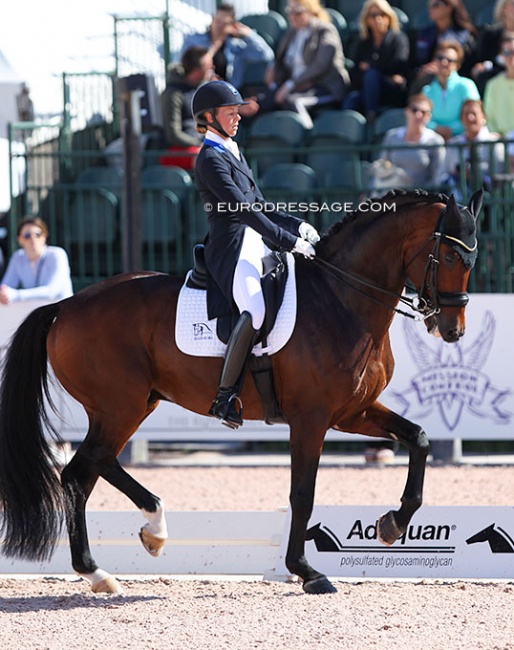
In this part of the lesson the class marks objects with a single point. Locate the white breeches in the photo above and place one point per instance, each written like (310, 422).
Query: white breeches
(246, 287)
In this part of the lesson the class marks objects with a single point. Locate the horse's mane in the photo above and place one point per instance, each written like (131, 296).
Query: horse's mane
(401, 198)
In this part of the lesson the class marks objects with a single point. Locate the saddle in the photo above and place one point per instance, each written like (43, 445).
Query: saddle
(273, 282)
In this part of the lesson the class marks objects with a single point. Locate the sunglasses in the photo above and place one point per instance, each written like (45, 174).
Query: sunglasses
(438, 3)
(441, 57)
(376, 14)
(418, 109)
(295, 11)
(31, 235)
(508, 52)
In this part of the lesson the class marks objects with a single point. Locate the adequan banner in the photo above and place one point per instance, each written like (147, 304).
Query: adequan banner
(441, 542)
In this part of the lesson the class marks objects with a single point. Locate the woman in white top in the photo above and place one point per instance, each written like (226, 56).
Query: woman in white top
(423, 167)
(36, 271)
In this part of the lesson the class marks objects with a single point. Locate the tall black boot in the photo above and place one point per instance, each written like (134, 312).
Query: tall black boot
(239, 347)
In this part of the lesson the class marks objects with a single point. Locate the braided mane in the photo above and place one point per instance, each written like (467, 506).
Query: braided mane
(401, 199)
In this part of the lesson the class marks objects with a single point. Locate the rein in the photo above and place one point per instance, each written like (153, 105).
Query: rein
(423, 304)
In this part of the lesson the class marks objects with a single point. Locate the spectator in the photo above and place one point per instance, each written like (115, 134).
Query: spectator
(489, 61)
(424, 166)
(232, 45)
(180, 135)
(449, 90)
(499, 92)
(36, 271)
(309, 69)
(449, 21)
(477, 162)
(381, 58)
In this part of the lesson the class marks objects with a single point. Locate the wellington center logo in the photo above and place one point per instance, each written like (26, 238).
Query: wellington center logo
(450, 378)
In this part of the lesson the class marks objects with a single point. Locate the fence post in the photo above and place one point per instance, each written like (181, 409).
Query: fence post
(130, 124)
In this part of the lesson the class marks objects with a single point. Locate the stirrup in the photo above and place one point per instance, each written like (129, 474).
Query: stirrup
(224, 408)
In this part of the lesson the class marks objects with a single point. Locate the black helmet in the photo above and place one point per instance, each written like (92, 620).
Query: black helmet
(214, 94)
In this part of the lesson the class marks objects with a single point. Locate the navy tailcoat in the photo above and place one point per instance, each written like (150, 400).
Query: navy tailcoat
(232, 200)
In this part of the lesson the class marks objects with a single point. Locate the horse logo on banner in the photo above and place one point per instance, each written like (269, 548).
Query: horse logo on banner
(451, 379)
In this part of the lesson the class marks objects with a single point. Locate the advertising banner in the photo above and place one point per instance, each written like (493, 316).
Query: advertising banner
(441, 542)
(453, 390)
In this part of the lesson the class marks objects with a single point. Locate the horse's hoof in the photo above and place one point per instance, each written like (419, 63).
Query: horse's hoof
(107, 586)
(388, 530)
(321, 585)
(153, 544)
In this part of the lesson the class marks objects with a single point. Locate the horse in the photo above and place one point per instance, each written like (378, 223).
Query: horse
(111, 347)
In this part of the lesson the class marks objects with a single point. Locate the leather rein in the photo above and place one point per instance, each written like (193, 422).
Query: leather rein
(429, 300)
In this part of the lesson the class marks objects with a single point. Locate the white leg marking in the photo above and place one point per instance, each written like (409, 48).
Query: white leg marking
(156, 522)
(101, 581)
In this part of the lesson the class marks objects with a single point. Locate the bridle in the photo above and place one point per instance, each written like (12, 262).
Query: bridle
(428, 299)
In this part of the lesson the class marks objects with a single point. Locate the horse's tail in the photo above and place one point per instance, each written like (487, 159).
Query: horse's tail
(30, 492)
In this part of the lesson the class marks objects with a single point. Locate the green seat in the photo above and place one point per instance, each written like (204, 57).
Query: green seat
(289, 182)
(271, 26)
(391, 118)
(339, 22)
(278, 132)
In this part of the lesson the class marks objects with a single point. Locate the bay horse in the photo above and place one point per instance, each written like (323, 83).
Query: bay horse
(111, 347)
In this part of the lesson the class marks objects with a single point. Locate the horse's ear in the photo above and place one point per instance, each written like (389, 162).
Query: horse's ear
(475, 202)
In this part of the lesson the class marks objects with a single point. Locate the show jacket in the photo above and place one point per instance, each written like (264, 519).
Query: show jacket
(232, 201)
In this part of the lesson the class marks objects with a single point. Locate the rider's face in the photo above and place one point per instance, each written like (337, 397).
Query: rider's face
(228, 117)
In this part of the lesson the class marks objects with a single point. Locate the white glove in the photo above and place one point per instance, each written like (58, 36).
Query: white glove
(303, 247)
(309, 233)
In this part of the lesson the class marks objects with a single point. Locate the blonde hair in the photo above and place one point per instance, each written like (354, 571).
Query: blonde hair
(315, 8)
(385, 8)
(498, 11)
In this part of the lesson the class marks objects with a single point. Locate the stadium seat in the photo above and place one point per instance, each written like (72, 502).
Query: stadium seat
(270, 26)
(388, 119)
(279, 132)
(289, 182)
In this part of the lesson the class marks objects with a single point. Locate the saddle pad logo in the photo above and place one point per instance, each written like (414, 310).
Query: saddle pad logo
(202, 332)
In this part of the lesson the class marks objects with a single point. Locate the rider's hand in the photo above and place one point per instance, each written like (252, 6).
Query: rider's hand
(303, 247)
(308, 233)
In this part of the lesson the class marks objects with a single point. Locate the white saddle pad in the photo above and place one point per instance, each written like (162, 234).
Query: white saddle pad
(196, 335)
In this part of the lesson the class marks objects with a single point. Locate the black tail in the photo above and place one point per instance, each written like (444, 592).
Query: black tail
(30, 491)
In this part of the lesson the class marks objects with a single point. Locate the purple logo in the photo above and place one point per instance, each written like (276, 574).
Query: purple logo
(450, 378)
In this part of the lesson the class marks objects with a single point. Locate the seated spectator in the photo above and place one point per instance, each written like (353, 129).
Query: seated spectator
(499, 92)
(180, 134)
(309, 68)
(381, 57)
(424, 167)
(477, 162)
(36, 271)
(448, 91)
(449, 21)
(232, 45)
(489, 60)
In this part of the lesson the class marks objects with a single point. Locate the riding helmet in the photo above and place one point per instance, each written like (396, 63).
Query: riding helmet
(212, 95)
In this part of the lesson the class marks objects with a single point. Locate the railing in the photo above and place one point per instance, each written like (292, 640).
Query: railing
(86, 219)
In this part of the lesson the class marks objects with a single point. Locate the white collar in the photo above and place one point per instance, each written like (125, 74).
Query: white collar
(227, 143)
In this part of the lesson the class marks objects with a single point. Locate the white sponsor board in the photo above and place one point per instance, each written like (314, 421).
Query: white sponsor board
(461, 390)
(441, 542)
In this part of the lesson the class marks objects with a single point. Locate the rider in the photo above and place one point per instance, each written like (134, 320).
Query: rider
(239, 222)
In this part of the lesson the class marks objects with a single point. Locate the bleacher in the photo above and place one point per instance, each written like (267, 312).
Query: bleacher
(331, 162)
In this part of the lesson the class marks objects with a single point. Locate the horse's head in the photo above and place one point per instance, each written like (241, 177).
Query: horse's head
(441, 278)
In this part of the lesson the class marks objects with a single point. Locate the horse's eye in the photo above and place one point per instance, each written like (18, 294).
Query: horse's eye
(450, 257)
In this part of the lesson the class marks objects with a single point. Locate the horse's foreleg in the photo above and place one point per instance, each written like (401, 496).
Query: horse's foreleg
(153, 535)
(381, 422)
(305, 453)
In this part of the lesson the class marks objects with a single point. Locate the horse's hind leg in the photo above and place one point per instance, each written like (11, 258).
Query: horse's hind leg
(97, 457)
(153, 535)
